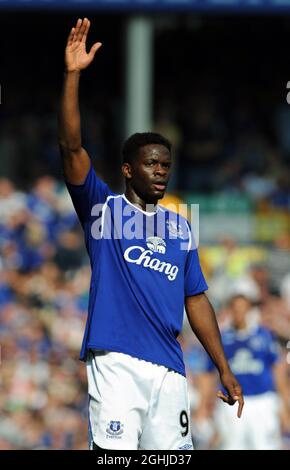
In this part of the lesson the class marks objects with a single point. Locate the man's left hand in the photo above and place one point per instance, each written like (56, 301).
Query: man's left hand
(234, 390)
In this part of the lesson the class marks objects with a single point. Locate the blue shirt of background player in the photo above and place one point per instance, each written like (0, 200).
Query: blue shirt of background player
(132, 309)
(252, 354)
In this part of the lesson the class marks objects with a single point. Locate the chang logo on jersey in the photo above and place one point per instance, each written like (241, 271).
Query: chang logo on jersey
(243, 362)
(114, 429)
(156, 244)
(142, 257)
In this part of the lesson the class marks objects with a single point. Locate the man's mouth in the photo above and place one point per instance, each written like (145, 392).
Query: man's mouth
(160, 186)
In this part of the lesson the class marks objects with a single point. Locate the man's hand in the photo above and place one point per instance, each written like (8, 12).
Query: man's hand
(234, 390)
(76, 57)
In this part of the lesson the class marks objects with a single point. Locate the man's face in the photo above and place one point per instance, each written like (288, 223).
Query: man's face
(150, 171)
(240, 307)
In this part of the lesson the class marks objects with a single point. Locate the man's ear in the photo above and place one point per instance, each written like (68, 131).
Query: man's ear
(127, 170)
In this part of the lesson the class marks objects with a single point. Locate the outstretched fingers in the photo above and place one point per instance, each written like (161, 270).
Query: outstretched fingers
(82, 34)
(70, 37)
(94, 49)
(86, 24)
(77, 30)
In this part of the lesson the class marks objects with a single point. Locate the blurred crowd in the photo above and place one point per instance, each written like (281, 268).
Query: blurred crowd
(215, 150)
(44, 279)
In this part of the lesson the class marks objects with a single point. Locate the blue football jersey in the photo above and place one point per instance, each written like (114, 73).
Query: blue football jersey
(143, 265)
(251, 355)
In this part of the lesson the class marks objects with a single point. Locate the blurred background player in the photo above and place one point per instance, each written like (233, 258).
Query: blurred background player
(255, 358)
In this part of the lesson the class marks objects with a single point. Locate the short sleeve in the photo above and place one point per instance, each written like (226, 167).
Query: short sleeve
(194, 281)
(85, 196)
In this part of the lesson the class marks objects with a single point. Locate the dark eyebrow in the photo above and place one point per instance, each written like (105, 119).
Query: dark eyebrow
(155, 159)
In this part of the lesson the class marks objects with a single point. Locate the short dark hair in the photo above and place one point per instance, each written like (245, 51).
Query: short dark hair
(140, 139)
(239, 296)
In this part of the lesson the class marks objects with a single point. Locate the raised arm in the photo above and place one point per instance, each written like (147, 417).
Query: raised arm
(76, 162)
(203, 322)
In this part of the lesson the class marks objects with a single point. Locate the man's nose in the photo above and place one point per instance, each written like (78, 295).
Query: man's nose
(160, 170)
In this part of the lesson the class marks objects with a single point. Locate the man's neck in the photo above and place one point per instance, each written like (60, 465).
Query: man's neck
(240, 327)
(138, 201)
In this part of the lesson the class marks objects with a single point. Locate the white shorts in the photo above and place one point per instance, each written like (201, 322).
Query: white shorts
(257, 429)
(134, 404)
